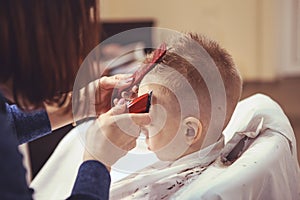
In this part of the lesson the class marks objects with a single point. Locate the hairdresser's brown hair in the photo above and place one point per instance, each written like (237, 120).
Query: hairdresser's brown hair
(43, 43)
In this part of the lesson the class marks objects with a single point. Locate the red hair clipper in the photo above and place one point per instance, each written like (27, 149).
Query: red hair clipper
(140, 104)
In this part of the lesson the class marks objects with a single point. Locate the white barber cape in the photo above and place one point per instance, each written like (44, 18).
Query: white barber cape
(163, 179)
(265, 168)
(268, 169)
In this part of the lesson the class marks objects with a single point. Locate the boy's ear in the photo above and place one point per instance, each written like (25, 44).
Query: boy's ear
(193, 130)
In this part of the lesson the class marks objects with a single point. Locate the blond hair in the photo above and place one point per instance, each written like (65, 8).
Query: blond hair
(183, 55)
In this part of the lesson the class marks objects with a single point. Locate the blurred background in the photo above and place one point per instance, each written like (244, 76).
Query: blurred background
(263, 37)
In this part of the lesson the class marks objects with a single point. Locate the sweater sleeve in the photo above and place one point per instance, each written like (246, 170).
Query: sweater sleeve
(93, 179)
(92, 182)
(13, 184)
(28, 126)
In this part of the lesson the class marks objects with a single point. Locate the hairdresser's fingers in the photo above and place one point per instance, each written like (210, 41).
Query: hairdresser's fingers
(122, 76)
(104, 91)
(131, 94)
(135, 89)
(125, 95)
(130, 124)
(131, 145)
(124, 141)
(140, 119)
(115, 101)
(120, 101)
(120, 108)
(116, 81)
(102, 137)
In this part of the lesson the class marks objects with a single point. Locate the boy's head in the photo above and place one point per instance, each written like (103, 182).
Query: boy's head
(194, 75)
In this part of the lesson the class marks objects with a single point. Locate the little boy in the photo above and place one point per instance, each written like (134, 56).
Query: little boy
(195, 88)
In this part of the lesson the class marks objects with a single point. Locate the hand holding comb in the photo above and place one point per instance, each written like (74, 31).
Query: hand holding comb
(145, 68)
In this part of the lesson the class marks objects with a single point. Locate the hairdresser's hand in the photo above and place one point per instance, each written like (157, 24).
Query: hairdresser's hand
(128, 95)
(96, 98)
(113, 134)
(105, 89)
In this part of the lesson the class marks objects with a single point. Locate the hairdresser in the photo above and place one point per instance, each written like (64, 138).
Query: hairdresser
(42, 46)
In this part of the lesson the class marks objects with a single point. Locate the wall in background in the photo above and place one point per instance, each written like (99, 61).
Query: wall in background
(248, 29)
(289, 33)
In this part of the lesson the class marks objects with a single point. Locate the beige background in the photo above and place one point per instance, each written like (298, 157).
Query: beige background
(248, 29)
(261, 35)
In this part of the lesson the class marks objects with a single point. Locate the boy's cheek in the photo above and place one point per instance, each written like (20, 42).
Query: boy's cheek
(155, 132)
(158, 115)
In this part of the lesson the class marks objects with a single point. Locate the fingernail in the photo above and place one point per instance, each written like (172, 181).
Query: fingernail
(125, 81)
(121, 101)
(125, 94)
(129, 80)
(135, 87)
(115, 101)
(127, 75)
